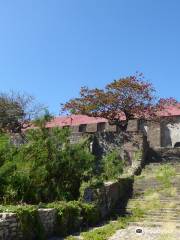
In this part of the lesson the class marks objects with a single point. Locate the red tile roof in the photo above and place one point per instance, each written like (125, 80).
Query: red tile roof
(73, 120)
(173, 110)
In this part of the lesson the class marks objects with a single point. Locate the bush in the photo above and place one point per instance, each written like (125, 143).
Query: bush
(112, 165)
(68, 217)
(47, 168)
(90, 213)
(73, 215)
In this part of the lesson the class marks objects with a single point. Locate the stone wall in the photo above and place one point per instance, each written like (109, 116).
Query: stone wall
(10, 225)
(104, 142)
(94, 127)
(164, 133)
(76, 137)
(114, 193)
(170, 132)
(154, 134)
(133, 125)
(127, 143)
(135, 150)
(48, 220)
(109, 195)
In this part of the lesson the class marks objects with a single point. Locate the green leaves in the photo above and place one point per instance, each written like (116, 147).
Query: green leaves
(45, 169)
(112, 165)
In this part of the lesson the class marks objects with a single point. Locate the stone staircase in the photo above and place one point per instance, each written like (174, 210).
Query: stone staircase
(159, 202)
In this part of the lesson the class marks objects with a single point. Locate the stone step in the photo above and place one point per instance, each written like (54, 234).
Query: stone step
(165, 217)
(157, 165)
(152, 172)
(159, 218)
(169, 212)
(157, 184)
(162, 201)
(152, 181)
(158, 190)
(162, 191)
(174, 209)
(162, 198)
(165, 203)
(147, 185)
(153, 224)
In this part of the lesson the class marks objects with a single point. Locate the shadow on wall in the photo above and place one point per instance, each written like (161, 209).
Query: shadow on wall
(153, 156)
(166, 140)
(177, 145)
(170, 133)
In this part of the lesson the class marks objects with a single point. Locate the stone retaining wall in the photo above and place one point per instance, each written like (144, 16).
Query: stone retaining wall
(10, 225)
(48, 220)
(114, 193)
(111, 194)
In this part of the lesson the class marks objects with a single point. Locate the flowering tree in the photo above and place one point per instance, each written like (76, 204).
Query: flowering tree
(126, 98)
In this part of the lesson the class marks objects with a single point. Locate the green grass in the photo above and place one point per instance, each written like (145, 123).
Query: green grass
(165, 175)
(106, 231)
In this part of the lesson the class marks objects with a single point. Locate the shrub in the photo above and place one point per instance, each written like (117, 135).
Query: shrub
(90, 214)
(47, 168)
(112, 165)
(68, 216)
(93, 183)
(73, 215)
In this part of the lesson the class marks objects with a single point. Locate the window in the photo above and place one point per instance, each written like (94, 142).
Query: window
(101, 127)
(82, 128)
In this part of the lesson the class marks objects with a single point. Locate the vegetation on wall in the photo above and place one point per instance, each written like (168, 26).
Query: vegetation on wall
(71, 216)
(112, 165)
(29, 221)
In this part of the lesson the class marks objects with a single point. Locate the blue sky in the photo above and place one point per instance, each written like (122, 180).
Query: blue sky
(50, 48)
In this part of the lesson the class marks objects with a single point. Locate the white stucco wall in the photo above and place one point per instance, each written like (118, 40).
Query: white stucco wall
(171, 133)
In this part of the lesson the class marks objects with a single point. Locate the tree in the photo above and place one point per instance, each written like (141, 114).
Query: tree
(128, 97)
(16, 110)
(46, 168)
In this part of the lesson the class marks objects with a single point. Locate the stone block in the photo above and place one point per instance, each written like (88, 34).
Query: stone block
(74, 129)
(154, 134)
(133, 125)
(91, 128)
(110, 128)
(101, 127)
